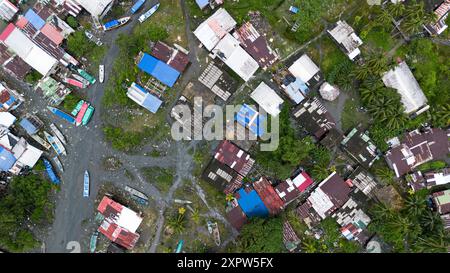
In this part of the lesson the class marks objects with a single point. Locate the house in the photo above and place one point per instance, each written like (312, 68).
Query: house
(292, 188)
(213, 29)
(53, 90)
(96, 8)
(223, 177)
(360, 147)
(217, 81)
(7, 10)
(402, 79)
(249, 118)
(314, 118)
(120, 223)
(306, 70)
(442, 201)
(353, 221)
(28, 51)
(7, 119)
(268, 195)
(344, 35)
(174, 57)
(332, 138)
(418, 181)
(441, 13)
(142, 97)
(235, 57)
(31, 124)
(446, 220)
(256, 45)
(212, 3)
(9, 99)
(417, 148)
(233, 156)
(235, 216)
(267, 99)
(331, 194)
(364, 181)
(251, 203)
(158, 69)
(290, 238)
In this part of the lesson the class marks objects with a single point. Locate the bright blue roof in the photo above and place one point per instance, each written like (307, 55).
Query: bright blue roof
(293, 90)
(159, 70)
(28, 126)
(151, 102)
(34, 19)
(202, 3)
(245, 115)
(7, 159)
(251, 204)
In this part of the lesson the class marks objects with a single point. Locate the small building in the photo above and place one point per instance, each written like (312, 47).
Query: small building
(250, 203)
(120, 223)
(418, 181)
(174, 57)
(202, 3)
(328, 91)
(142, 97)
(353, 221)
(251, 119)
(268, 195)
(236, 217)
(417, 148)
(306, 70)
(344, 35)
(267, 99)
(9, 99)
(7, 10)
(314, 118)
(7, 159)
(442, 201)
(158, 69)
(402, 79)
(96, 8)
(53, 90)
(331, 194)
(332, 138)
(217, 81)
(256, 45)
(290, 238)
(441, 13)
(213, 29)
(360, 147)
(364, 181)
(235, 57)
(292, 188)
(446, 220)
(222, 177)
(7, 119)
(233, 156)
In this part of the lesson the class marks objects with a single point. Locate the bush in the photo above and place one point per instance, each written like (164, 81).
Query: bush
(72, 22)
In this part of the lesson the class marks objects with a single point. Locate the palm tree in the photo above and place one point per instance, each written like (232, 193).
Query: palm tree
(396, 10)
(196, 216)
(416, 205)
(384, 19)
(416, 17)
(441, 116)
(433, 244)
(385, 175)
(431, 221)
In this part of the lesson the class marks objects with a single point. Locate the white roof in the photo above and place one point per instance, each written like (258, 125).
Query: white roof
(233, 55)
(267, 99)
(320, 202)
(129, 219)
(94, 7)
(30, 156)
(402, 79)
(7, 10)
(7, 119)
(344, 34)
(214, 28)
(30, 52)
(304, 68)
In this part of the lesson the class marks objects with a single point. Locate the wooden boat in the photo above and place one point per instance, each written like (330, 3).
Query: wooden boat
(56, 144)
(58, 133)
(213, 229)
(86, 184)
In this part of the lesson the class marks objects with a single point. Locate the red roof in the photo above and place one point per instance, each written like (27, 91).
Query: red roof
(22, 22)
(52, 33)
(118, 234)
(268, 195)
(236, 217)
(5, 34)
(233, 156)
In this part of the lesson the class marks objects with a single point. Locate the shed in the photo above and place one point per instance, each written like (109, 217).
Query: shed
(7, 159)
(159, 70)
(267, 99)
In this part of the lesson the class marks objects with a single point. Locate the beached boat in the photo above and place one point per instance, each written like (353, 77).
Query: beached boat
(58, 133)
(61, 114)
(88, 115)
(101, 73)
(79, 118)
(58, 164)
(137, 6)
(56, 144)
(93, 242)
(41, 141)
(51, 172)
(116, 23)
(179, 246)
(86, 184)
(148, 13)
(86, 76)
(77, 108)
(213, 229)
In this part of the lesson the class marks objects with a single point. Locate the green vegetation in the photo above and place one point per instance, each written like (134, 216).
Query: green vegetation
(432, 166)
(261, 236)
(352, 116)
(72, 21)
(33, 77)
(413, 228)
(26, 203)
(80, 46)
(161, 178)
(70, 102)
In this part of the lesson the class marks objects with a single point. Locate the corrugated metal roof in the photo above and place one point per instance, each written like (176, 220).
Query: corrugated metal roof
(267, 99)
(28, 126)
(34, 19)
(7, 159)
(159, 70)
(52, 33)
(248, 117)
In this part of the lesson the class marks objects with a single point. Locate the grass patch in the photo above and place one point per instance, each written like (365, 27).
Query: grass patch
(161, 178)
(432, 166)
(351, 116)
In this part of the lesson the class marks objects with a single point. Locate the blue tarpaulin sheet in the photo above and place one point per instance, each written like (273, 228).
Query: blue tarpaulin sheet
(34, 19)
(28, 126)
(151, 102)
(202, 3)
(245, 116)
(251, 204)
(7, 159)
(159, 70)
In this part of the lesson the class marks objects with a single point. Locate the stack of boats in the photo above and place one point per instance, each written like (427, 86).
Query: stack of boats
(83, 113)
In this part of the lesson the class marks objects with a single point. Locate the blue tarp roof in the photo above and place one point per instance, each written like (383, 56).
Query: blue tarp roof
(7, 159)
(245, 115)
(159, 70)
(34, 19)
(202, 3)
(151, 102)
(294, 88)
(28, 126)
(251, 204)
(111, 24)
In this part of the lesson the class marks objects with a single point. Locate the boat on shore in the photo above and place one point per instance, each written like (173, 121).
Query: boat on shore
(149, 13)
(213, 229)
(116, 23)
(86, 184)
(58, 164)
(77, 108)
(79, 118)
(58, 133)
(93, 242)
(61, 114)
(101, 73)
(41, 141)
(88, 115)
(56, 144)
(51, 172)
